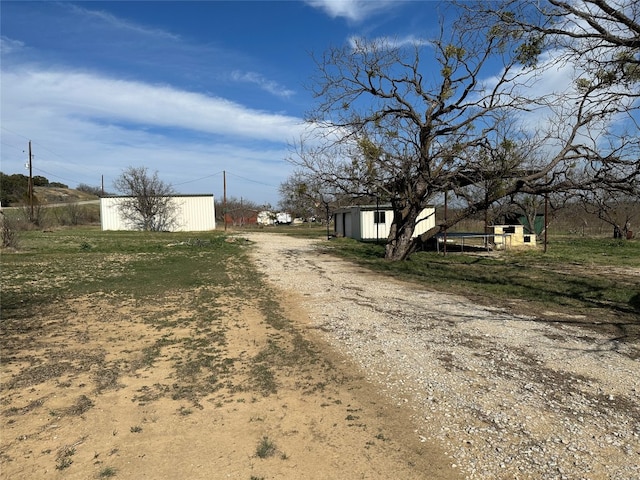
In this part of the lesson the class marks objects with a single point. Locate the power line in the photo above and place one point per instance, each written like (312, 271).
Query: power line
(41, 146)
(229, 173)
(57, 176)
(198, 179)
(251, 180)
(15, 133)
(20, 149)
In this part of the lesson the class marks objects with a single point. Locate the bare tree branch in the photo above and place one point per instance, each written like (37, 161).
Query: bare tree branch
(148, 202)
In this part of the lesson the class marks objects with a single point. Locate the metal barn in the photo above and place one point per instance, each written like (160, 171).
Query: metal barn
(194, 213)
(373, 222)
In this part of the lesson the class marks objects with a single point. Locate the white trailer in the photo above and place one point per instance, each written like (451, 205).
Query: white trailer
(373, 222)
(283, 218)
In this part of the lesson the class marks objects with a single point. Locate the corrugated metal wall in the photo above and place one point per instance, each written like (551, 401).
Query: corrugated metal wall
(195, 213)
(359, 222)
(369, 230)
(338, 224)
(372, 231)
(110, 218)
(342, 224)
(426, 221)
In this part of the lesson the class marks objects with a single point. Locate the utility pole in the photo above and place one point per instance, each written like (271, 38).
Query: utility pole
(546, 222)
(30, 186)
(224, 198)
(444, 245)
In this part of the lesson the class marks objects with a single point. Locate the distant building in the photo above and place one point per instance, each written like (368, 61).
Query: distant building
(512, 236)
(373, 222)
(194, 213)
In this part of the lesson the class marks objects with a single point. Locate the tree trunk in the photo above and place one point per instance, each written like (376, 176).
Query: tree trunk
(401, 244)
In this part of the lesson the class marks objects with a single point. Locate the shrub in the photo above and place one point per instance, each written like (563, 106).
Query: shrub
(9, 233)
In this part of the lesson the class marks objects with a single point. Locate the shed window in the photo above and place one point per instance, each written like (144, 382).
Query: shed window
(379, 217)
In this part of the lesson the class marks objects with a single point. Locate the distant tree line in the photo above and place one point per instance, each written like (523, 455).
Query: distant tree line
(91, 190)
(14, 188)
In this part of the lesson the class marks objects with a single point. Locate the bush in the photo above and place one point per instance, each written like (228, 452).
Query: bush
(9, 233)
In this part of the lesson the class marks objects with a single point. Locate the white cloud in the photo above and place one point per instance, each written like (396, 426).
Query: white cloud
(85, 125)
(358, 43)
(355, 10)
(104, 99)
(8, 45)
(270, 86)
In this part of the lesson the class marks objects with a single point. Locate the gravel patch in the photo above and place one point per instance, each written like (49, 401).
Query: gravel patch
(509, 396)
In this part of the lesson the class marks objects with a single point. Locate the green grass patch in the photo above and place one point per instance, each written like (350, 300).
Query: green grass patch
(182, 286)
(53, 265)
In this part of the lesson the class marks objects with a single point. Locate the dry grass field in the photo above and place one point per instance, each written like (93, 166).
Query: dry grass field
(133, 355)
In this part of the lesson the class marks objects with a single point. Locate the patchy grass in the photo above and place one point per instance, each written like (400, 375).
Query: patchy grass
(53, 265)
(165, 300)
(576, 274)
(63, 458)
(179, 291)
(107, 472)
(266, 448)
(159, 275)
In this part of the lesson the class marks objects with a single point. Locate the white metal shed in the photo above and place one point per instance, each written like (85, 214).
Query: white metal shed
(194, 213)
(373, 222)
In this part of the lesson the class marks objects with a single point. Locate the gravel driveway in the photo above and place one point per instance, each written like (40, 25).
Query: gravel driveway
(508, 396)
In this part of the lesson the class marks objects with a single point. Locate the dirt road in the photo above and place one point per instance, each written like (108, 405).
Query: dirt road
(507, 396)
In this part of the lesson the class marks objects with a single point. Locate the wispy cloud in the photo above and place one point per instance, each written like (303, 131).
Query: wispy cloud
(8, 45)
(115, 92)
(270, 86)
(121, 24)
(357, 43)
(354, 10)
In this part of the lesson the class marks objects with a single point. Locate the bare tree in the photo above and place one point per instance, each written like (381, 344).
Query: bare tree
(299, 197)
(148, 203)
(308, 195)
(398, 131)
(8, 232)
(91, 190)
(393, 128)
(238, 211)
(619, 211)
(601, 35)
(600, 40)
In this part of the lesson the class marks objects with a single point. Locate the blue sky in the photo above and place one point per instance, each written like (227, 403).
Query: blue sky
(190, 89)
